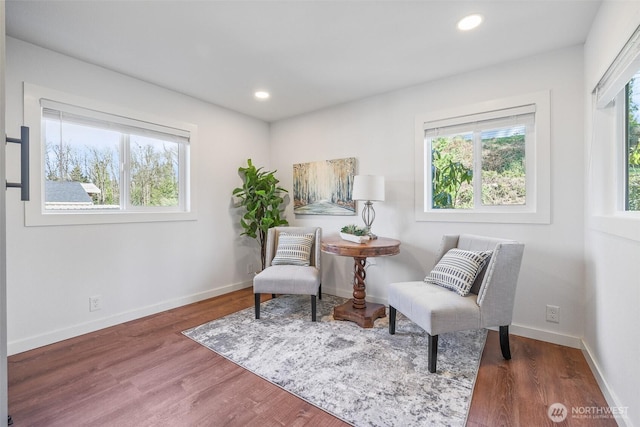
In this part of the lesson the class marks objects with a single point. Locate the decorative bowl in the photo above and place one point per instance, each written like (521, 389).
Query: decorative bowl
(354, 238)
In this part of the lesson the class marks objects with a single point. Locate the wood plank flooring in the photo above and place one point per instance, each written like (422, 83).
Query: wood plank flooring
(145, 373)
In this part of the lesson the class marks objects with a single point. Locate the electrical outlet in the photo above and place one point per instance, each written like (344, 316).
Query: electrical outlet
(553, 314)
(251, 268)
(95, 303)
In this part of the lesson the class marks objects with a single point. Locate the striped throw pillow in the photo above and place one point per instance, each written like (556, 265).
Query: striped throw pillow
(458, 269)
(293, 249)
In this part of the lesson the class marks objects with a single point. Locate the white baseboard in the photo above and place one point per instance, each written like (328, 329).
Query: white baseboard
(342, 293)
(609, 396)
(29, 343)
(547, 336)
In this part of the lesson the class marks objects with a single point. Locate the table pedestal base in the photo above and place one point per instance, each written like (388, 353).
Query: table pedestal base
(362, 316)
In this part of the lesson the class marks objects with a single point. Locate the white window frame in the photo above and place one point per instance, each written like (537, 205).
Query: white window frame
(608, 204)
(608, 136)
(620, 106)
(538, 207)
(35, 212)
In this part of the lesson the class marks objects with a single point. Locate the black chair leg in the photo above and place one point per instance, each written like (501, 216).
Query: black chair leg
(313, 308)
(504, 342)
(320, 291)
(257, 305)
(392, 320)
(433, 352)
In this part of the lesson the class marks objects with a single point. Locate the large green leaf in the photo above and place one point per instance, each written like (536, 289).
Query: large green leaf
(260, 197)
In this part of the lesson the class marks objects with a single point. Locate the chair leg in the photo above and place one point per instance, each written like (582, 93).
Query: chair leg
(313, 308)
(320, 291)
(257, 305)
(392, 320)
(504, 342)
(433, 352)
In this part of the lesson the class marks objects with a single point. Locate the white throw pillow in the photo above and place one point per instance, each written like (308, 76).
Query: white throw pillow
(458, 269)
(293, 249)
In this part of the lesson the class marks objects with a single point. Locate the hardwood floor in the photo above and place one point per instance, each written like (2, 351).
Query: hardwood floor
(146, 373)
(518, 392)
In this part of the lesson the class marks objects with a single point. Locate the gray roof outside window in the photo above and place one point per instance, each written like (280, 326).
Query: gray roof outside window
(65, 192)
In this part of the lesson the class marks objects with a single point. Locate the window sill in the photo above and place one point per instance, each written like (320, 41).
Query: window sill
(496, 217)
(625, 225)
(36, 219)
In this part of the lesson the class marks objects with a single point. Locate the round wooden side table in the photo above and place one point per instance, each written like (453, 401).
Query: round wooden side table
(357, 309)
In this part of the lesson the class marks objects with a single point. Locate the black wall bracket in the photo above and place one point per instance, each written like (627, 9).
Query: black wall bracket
(24, 163)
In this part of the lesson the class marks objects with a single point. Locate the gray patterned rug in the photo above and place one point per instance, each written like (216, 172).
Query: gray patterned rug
(365, 377)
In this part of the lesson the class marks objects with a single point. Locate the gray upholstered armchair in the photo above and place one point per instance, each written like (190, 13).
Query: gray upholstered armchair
(489, 301)
(292, 265)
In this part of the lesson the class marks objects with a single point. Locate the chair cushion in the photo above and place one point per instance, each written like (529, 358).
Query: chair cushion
(287, 279)
(458, 269)
(293, 249)
(434, 308)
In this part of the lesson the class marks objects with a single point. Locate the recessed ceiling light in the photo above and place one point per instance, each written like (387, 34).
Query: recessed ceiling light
(469, 22)
(262, 95)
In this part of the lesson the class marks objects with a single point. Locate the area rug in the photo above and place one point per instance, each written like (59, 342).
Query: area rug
(365, 377)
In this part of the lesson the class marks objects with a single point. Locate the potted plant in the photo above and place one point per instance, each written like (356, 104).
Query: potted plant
(261, 197)
(353, 233)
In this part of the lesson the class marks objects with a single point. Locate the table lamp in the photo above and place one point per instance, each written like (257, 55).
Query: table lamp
(368, 188)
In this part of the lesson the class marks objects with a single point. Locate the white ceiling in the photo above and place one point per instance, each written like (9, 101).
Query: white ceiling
(308, 54)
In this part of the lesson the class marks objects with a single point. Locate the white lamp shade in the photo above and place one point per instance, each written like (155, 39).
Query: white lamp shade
(368, 187)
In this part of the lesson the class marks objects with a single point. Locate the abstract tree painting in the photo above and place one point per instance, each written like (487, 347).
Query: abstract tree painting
(324, 187)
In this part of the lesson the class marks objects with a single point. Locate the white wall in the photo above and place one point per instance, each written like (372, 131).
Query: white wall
(137, 268)
(379, 131)
(611, 335)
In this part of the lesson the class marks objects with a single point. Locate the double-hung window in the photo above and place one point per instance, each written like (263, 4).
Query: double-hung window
(104, 164)
(481, 164)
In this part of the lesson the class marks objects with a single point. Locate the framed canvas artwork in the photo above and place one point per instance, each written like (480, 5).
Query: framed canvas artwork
(324, 187)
